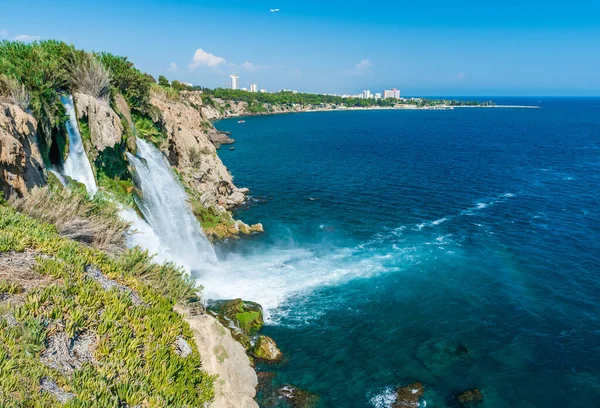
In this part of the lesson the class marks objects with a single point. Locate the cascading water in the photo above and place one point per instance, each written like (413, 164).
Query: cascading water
(167, 212)
(77, 166)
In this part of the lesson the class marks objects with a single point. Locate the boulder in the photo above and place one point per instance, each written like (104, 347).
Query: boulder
(106, 129)
(409, 396)
(296, 397)
(266, 349)
(469, 397)
(243, 315)
(21, 164)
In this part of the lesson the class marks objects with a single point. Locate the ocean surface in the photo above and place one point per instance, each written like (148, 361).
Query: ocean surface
(456, 248)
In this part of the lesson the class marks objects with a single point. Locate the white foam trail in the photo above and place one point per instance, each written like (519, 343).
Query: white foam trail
(77, 166)
(384, 399)
(164, 205)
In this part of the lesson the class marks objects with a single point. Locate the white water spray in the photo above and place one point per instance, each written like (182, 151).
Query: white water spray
(164, 205)
(77, 166)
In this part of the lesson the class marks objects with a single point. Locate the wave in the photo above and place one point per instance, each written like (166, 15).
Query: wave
(384, 398)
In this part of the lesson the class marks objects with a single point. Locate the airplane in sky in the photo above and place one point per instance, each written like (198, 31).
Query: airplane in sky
(274, 10)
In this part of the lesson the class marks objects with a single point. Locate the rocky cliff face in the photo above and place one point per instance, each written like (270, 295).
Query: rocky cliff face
(105, 126)
(21, 164)
(191, 151)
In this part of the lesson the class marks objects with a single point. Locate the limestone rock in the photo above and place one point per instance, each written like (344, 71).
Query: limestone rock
(21, 164)
(235, 386)
(219, 138)
(469, 397)
(266, 349)
(191, 151)
(49, 386)
(123, 109)
(105, 126)
(409, 396)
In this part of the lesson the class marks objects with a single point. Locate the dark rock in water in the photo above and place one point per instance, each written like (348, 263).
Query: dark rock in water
(469, 397)
(243, 315)
(461, 350)
(409, 396)
(271, 395)
(266, 349)
(296, 397)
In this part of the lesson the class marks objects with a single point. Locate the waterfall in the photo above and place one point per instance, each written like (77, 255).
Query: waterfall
(165, 208)
(77, 166)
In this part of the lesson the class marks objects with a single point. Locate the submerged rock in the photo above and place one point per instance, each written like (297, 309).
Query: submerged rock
(266, 349)
(296, 397)
(409, 396)
(472, 396)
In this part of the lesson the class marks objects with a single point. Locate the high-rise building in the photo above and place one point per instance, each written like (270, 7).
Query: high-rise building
(253, 88)
(378, 95)
(366, 94)
(393, 93)
(234, 81)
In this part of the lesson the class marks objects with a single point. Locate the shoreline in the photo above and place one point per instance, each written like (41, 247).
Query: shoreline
(376, 108)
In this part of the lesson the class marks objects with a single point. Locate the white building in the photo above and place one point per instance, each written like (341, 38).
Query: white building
(393, 93)
(244, 89)
(378, 95)
(366, 94)
(263, 90)
(234, 81)
(253, 88)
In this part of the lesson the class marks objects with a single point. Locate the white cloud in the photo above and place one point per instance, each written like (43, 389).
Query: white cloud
(363, 67)
(202, 57)
(27, 38)
(172, 67)
(3, 33)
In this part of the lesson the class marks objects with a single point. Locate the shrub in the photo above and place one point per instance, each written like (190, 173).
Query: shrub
(90, 77)
(94, 222)
(14, 91)
(133, 84)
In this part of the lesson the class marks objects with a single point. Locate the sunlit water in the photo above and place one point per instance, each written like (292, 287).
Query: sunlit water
(392, 237)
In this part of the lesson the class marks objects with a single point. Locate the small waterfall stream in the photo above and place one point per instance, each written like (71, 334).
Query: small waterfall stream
(77, 166)
(166, 210)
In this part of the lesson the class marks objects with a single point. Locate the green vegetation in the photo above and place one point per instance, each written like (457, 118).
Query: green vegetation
(256, 101)
(132, 357)
(93, 221)
(149, 130)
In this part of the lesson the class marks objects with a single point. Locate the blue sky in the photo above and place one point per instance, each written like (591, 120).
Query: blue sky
(466, 47)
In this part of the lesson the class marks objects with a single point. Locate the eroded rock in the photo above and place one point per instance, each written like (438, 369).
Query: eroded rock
(243, 315)
(21, 164)
(409, 396)
(470, 397)
(106, 129)
(266, 349)
(182, 347)
(67, 355)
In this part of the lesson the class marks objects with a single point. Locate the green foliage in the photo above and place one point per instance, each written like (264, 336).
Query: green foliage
(42, 68)
(149, 130)
(136, 362)
(122, 190)
(163, 81)
(133, 84)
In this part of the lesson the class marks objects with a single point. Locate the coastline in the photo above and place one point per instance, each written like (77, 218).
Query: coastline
(371, 108)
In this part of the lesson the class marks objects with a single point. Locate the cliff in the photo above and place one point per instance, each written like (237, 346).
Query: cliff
(21, 164)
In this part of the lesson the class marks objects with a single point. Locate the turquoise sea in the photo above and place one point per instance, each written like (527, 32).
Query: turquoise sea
(456, 248)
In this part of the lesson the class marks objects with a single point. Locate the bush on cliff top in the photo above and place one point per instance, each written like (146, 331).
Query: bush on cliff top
(134, 358)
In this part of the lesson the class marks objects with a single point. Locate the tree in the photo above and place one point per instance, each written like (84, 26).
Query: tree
(162, 81)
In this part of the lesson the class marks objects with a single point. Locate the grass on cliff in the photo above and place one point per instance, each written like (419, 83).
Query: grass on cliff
(93, 221)
(133, 358)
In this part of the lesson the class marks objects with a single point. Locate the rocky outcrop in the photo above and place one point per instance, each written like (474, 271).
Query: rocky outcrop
(236, 384)
(194, 155)
(266, 349)
(106, 129)
(21, 164)
(470, 397)
(409, 396)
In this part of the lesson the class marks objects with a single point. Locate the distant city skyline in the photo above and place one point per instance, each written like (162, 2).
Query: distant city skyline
(513, 47)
